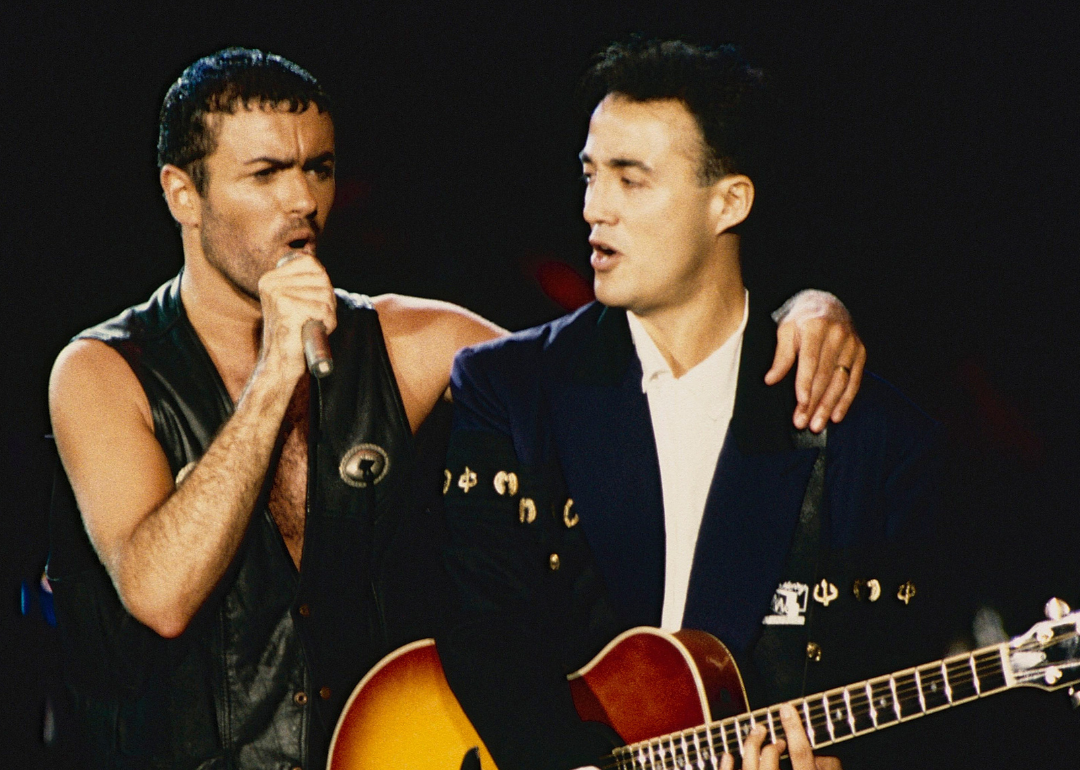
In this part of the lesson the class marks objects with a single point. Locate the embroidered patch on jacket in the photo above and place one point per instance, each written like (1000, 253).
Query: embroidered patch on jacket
(364, 464)
(788, 605)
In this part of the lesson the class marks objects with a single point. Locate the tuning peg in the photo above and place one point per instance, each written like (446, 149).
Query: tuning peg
(1056, 609)
(1074, 697)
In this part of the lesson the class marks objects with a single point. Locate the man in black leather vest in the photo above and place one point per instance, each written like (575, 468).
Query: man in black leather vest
(240, 542)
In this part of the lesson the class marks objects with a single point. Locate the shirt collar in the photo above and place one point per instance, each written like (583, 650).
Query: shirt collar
(702, 380)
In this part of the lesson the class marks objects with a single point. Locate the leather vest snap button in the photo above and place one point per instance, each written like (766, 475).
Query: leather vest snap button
(304, 610)
(324, 693)
(300, 698)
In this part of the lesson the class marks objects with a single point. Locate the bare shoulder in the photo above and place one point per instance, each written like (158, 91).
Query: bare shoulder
(105, 436)
(90, 375)
(437, 323)
(422, 337)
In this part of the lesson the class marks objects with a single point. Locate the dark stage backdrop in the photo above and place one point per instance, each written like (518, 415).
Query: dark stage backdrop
(925, 170)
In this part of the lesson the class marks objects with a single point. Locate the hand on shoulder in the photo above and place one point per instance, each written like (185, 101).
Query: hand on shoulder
(815, 327)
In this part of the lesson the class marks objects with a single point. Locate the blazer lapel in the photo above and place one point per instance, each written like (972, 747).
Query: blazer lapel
(608, 458)
(753, 502)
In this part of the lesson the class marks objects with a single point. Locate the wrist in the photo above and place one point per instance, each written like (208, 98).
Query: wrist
(811, 303)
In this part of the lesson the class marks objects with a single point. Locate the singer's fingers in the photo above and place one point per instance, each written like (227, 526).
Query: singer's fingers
(302, 280)
(292, 309)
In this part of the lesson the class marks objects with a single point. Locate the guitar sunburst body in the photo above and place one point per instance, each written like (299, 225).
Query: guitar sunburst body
(403, 714)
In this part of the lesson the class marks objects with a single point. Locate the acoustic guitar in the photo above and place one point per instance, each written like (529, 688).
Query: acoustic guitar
(678, 700)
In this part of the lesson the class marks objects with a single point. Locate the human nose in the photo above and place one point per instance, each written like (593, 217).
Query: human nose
(598, 207)
(300, 198)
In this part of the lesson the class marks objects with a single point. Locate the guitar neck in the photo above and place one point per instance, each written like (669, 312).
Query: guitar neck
(835, 715)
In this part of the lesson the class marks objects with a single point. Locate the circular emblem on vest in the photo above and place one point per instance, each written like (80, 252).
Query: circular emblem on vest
(364, 464)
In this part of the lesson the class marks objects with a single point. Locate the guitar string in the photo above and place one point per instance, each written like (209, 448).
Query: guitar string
(987, 662)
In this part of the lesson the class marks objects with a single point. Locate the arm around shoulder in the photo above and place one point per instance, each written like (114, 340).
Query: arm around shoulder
(422, 337)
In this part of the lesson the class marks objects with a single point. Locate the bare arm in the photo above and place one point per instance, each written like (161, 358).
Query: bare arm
(166, 548)
(422, 338)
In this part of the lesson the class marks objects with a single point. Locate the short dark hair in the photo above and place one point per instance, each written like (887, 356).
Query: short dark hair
(219, 83)
(719, 88)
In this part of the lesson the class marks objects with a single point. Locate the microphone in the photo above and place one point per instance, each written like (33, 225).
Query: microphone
(313, 334)
(316, 348)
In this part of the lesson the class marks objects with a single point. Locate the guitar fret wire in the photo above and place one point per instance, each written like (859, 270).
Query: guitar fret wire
(712, 748)
(918, 687)
(809, 725)
(1010, 679)
(896, 703)
(975, 675)
(847, 705)
(870, 699)
(828, 716)
(772, 727)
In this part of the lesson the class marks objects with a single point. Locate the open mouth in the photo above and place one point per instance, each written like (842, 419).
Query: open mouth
(305, 245)
(603, 256)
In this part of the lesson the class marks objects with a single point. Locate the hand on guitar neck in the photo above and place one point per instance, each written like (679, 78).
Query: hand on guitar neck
(678, 700)
(757, 755)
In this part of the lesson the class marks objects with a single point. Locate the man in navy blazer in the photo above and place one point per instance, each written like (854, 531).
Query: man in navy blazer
(565, 487)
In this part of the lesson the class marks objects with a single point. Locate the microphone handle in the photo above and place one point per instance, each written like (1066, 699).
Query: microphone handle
(316, 348)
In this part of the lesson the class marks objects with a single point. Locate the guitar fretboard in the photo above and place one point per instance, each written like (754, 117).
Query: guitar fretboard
(831, 716)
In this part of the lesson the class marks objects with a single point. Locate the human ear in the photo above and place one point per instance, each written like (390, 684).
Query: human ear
(181, 195)
(732, 199)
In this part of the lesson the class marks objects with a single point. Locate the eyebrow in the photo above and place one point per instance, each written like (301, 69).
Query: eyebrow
(318, 160)
(617, 162)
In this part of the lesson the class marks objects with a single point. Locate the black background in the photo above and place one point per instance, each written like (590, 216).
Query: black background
(927, 175)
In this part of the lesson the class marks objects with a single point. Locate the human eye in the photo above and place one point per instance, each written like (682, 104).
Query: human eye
(264, 173)
(587, 176)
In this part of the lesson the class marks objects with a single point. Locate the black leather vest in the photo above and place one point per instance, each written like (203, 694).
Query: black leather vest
(261, 674)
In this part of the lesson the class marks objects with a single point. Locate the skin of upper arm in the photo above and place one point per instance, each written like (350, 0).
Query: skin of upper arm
(104, 434)
(422, 338)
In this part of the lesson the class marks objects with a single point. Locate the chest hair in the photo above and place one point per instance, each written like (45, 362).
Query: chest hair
(288, 495)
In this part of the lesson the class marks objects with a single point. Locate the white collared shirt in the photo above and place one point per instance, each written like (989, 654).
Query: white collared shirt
(690, 418)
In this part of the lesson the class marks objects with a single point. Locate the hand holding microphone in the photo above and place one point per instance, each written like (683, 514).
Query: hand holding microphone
(314, 337)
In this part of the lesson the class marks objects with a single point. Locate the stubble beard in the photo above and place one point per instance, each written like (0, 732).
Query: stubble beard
(230, 256)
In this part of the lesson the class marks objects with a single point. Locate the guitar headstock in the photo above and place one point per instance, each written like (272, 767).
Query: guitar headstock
(1048, 656)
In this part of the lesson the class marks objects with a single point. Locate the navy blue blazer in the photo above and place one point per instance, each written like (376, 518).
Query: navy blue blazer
(561, 407)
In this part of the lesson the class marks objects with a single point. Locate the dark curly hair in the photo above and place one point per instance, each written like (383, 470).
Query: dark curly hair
(719, 88)
(220, 83)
